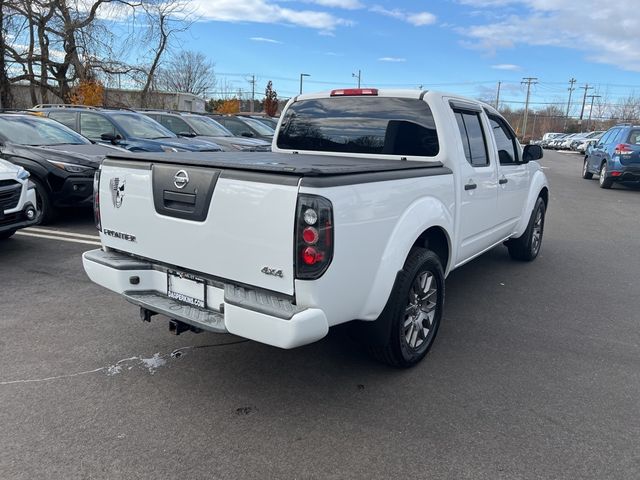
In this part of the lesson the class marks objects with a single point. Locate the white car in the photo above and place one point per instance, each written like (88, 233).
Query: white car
(17, 199)
(369, 200)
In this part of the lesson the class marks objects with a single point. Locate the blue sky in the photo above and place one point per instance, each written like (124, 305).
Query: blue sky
(463, 46)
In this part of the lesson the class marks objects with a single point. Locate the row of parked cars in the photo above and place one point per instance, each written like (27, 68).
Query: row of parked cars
(51, 152)
(578, 142)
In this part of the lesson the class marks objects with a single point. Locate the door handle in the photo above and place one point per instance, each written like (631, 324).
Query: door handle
(502, 181)
(470, 186)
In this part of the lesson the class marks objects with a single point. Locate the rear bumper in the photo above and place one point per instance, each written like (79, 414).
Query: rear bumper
(254, 314)
(629, 173)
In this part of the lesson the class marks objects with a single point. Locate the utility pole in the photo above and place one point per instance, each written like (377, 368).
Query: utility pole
(498, 95)
(592, 97)
(358, 76)
(253, 92)
(528, 81)
(303, 75)
(571, 89)
(586, 87)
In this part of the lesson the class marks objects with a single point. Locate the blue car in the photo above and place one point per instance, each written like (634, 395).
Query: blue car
(615, 157)
(124, 128)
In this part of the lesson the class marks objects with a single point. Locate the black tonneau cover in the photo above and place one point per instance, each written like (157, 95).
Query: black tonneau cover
(281, 163)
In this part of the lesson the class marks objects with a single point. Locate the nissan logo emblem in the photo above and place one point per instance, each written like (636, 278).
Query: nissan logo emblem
(181, 179)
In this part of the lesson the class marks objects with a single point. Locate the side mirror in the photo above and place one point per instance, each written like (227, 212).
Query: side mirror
(532, 152)
(187, 134)
(110, 137)
(247, 134)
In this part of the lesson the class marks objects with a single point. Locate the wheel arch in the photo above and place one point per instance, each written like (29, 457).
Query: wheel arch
(426, 223)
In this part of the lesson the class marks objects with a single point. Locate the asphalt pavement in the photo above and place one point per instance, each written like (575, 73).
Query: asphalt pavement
(535, 373)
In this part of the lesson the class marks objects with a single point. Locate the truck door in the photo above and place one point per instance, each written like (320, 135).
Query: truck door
(513, 176)
(477, 182)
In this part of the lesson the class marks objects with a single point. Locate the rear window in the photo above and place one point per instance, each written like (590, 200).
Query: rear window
(374, 125)
(634, 137)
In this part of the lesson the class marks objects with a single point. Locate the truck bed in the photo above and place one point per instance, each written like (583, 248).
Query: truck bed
(285, 163)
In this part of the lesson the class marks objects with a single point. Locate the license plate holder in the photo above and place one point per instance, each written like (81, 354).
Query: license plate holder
(187, 289)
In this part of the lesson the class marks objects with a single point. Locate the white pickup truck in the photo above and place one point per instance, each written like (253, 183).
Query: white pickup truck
(368, 201)
(17, 199)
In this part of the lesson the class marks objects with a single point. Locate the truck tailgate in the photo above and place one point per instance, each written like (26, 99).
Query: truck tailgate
(224, 223)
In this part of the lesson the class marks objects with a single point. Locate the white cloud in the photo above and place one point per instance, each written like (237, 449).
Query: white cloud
(263, 39)
(506, 66)
(418, 18)
(263, 11)
(422, 18)
(346, 4)
(392, 59)
(589, 25)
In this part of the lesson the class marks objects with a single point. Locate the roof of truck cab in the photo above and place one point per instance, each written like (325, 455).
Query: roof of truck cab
(280, 163)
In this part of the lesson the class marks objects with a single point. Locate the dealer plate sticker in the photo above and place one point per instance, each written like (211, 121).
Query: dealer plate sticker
(186, 290)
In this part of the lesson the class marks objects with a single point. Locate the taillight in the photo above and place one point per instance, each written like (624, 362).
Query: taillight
(349, 92)
(96, 200)
(314, 236)
(623, 149)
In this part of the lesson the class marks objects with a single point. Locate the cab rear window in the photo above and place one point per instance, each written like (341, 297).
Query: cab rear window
(373, 125)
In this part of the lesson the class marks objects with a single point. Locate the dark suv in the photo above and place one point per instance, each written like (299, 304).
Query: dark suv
(245, 126)
(206, 128)
(124, 128)
(615, 157)
(60, 161)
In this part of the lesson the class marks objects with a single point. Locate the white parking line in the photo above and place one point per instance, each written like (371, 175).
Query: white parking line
(52, 237)
(49, 231)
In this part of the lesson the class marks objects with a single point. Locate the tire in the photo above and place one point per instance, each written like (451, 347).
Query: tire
(7, 234)
(603, 180)
(413, 320)
(46, 211)
(586, 174)
(527, 247)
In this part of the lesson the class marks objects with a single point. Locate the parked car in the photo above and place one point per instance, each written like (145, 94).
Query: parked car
(124, 128)
(17, 199)
(548, 137)
(60, 161)
(245, 127)
(368, 202)
(206, 128)
(586, 144)
(615, 157)
(556, 141)
(268, 121)
(575, 143)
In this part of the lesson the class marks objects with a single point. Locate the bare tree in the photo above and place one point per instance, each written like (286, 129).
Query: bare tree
(188, 72)
(57, 43)
(166, 18)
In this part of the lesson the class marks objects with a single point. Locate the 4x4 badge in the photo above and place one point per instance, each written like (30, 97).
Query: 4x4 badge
(117, 191)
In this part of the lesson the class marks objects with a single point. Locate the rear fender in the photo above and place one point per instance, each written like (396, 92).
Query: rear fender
(420, 216)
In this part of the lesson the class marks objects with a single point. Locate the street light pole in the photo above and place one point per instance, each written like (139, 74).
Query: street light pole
(358, 76)
(303, 75)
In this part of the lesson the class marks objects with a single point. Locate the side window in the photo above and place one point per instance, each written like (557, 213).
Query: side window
(175, 124)
(473, 139)
(607, 136)
(619, 138)
(505, 141)
(237, 127)
(93, 126)
(68, 119)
